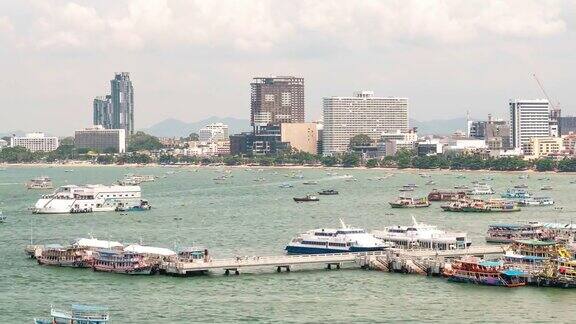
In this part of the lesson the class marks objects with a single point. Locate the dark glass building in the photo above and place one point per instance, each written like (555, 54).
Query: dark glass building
(276, 100)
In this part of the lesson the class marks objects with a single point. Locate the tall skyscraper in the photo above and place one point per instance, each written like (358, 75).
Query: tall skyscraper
(103, 111)
(276, 100)
(528, 119)
(345, 117)
(122, 97)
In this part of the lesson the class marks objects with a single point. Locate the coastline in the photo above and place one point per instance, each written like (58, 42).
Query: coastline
(83, 164)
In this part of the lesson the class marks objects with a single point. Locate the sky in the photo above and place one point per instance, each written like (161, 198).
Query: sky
(194, 59)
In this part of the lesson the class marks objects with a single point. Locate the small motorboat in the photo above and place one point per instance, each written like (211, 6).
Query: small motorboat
(310, 183)
(546, 188)
(285, 185)
(521, 186)
(306, 198)
(406, 189)
(328, 192)
(143, 206)
(2, 217)
(430, 183)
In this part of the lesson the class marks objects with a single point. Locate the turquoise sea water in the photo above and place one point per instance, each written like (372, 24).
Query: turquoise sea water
(244, 217)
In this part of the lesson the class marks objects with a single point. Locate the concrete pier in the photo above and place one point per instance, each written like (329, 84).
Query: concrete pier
(413, 261)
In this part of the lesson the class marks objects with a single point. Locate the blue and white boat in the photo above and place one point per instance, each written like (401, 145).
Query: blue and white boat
(78, 314)
(344, 239)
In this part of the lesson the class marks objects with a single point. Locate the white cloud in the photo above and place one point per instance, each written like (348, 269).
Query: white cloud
(262, 25)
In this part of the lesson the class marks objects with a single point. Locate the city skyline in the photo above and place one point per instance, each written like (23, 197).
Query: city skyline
(445, 57)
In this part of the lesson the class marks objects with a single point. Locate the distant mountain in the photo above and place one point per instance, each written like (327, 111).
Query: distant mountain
(176, 128)
(439, 126)
(9, 134)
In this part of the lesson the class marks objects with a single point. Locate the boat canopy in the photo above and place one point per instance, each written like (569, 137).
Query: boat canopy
(536, 242)
(88, 308)
(490, 264)
(149, 250)
(513, 272)
(95, 243)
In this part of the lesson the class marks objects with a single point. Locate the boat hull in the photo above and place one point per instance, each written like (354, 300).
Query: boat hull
(129, 271)
(484, 281)
(396, 205)
(316, 250)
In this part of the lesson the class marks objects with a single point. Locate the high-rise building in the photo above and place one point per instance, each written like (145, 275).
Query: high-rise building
(567, 125)
(494, 130)
(101, 139)
(35, 142)
(213, 133)
(103, 111)
(276, 100)
(363, 113)
(122, 97)
(554, 122)
(528, 119)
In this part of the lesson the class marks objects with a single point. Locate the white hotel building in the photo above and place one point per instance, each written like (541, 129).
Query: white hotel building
(345, 117)
(528, 119)
(35, 142)
(213, 133)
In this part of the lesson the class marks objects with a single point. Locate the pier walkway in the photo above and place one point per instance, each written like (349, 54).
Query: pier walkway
(285, 262)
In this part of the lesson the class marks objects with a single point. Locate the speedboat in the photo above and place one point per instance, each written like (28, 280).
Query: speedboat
(144, 205)
(328, 192)
(344, 239)
(306, 198)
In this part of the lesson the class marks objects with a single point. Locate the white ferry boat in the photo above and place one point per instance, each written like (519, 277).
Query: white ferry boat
(88, 198)
(423, 236)
(344, 239)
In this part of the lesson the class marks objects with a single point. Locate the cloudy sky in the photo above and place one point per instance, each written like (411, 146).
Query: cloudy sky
(194, 59)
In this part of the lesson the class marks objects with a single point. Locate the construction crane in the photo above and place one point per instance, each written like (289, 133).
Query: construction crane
(553, 106)
(555, 111)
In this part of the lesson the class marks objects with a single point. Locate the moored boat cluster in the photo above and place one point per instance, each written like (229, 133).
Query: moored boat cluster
(111, 256)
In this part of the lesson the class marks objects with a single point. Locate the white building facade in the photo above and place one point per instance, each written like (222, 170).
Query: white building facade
(213, 133)
(363, 113)
(35, 142)
(528, 119)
